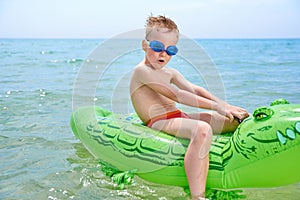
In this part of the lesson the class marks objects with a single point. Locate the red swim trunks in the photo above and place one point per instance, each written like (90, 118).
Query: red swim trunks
(170, 115)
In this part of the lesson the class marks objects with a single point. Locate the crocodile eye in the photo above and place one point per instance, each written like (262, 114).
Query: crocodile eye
(279, 102)
(262, 113)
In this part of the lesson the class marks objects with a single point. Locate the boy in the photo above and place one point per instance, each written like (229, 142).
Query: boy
(155, 89)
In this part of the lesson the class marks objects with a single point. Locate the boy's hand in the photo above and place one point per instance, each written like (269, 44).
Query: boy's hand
(238, 112)
(232, 112)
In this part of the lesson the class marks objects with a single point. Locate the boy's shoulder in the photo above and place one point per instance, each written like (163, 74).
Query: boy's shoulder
(146, 68)
(142, 71)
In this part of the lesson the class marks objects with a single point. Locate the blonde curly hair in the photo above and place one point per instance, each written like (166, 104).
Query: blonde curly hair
(160, 23)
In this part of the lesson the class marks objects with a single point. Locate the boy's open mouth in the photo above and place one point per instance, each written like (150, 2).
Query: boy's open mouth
(161, 61)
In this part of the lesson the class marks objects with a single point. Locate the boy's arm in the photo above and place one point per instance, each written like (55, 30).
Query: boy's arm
(184, 84)
(161, 84)
(220, 106)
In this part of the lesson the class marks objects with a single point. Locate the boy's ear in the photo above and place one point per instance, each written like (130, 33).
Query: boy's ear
(144, 45)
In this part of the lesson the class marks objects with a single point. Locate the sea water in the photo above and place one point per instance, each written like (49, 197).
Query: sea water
(42, 159)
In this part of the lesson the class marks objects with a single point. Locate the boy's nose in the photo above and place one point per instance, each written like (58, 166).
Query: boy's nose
(163, 53)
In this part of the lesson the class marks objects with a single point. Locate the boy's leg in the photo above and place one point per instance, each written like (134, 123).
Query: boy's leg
(219, 123)
(196, 161)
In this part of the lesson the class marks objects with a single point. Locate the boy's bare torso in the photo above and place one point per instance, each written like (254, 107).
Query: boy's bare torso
(147, 102)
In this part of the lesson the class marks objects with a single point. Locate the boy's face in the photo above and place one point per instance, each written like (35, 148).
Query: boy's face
(158, 60)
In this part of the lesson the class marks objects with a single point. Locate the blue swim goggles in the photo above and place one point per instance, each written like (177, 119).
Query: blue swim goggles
(159, 47)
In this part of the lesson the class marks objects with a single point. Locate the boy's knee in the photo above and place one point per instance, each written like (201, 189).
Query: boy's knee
(203, 132)
(201, 140)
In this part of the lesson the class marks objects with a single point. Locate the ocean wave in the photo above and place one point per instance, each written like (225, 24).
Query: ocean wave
(47, 52)
(75, 60)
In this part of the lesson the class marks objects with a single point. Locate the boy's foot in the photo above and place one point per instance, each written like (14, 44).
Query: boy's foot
(199, 197)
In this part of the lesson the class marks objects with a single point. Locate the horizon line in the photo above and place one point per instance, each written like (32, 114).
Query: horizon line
(104, 38)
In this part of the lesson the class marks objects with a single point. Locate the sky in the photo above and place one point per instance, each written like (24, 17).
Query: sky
(107, 18)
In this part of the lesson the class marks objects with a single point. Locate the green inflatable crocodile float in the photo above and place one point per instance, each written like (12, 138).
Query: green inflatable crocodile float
(264, 151)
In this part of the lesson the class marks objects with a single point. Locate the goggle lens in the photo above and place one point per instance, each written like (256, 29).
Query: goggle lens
(159, 47)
